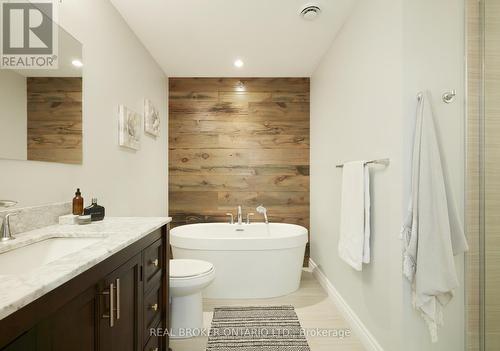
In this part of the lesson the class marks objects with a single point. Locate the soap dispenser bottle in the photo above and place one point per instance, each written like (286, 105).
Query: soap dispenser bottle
(78, 203)
(95, 211)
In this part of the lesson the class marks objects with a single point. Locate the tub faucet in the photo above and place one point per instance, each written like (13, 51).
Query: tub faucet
(240, 216)
(248, 217)
(262, 210)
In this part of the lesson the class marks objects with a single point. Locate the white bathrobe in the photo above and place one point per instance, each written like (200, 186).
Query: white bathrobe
(432, 232)
(354, 242)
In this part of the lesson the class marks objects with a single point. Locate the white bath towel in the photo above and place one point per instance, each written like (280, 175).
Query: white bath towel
(432, 234)
(354, 242)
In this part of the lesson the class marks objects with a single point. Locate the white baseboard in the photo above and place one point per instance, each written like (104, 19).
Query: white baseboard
(361, 331)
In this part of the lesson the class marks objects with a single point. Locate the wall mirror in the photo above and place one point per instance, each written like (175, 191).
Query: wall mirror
(41, 109)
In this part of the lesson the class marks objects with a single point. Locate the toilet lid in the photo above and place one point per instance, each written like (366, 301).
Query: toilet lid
(189, 268)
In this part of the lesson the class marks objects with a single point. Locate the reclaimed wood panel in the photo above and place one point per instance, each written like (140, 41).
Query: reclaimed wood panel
(219, 182)
(273, 85)
(239, 110)
(238, 141)
(290, 97)
(241, 170)
(51, 85)
(239, 127)
(290, 111)
(194, 96)
(206, 110)
(295, 200)
(239, 157)
(196, 201)
(239, 98)
(55, 119)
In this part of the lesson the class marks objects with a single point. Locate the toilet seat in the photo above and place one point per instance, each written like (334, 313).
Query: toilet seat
(189, 269)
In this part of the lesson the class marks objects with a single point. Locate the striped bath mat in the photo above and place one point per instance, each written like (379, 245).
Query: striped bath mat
(264, 328)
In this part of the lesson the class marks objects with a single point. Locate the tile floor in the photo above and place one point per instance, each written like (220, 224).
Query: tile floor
(313, 307)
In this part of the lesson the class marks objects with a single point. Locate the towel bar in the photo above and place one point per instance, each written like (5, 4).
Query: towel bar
(382, 161)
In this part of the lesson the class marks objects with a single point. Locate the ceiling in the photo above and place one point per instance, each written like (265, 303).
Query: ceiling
(203, 38)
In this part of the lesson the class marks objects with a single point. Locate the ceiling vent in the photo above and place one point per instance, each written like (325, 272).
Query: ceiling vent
(310, 12)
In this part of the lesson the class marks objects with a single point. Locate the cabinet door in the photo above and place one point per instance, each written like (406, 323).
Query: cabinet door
(26, 342)
(119, 309)
(73, 327)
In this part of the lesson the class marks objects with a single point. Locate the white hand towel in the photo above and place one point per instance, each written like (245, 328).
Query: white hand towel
(354, 242)
(431, 236)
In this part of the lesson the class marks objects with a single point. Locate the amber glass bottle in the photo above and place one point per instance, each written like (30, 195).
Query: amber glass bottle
(78, 203)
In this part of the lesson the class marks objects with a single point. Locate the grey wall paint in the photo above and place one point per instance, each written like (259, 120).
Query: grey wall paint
(363, 96)
(118, 70)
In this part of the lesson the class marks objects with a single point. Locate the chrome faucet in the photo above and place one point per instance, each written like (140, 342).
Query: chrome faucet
(5, 223)
(240, 216)
(6, 232)
(262, 210)
(248, 217)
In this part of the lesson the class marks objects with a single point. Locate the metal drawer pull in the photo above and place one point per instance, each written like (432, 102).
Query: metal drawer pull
(154, 307)
(117, 298)
(111, 314)
(154, 262)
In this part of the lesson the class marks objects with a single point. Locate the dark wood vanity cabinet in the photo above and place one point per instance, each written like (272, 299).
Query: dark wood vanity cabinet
(111, 307)
(120, 308)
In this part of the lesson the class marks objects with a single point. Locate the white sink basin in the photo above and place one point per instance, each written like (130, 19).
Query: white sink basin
(28, 258)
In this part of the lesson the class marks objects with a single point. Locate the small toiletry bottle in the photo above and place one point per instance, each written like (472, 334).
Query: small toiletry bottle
(78, 203)
(95, 211)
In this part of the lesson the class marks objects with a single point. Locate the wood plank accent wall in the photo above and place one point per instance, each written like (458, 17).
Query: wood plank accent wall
(238, 141)
(55, 119)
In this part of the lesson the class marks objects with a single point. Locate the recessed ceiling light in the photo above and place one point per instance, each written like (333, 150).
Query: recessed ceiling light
(77, 63)
(238, 63)
(310, 12)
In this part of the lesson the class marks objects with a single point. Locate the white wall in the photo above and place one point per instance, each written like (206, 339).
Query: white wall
(356, 114)
(362, 107)
(118, 70)
(13, 116)
(434, 61)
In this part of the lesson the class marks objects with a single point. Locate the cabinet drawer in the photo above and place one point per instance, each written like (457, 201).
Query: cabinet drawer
(152, 308)
(153, 263)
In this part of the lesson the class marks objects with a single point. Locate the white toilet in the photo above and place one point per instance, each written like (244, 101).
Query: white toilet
(187, 280)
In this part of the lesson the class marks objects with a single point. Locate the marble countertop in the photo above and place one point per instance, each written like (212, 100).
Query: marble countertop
(16, 291)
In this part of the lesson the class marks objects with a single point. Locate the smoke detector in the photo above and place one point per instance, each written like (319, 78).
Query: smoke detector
(310, 12)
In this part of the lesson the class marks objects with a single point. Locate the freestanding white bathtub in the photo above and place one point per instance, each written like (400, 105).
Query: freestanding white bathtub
(255, 260)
